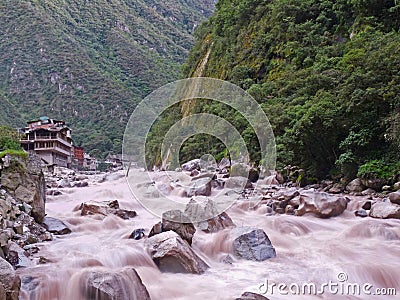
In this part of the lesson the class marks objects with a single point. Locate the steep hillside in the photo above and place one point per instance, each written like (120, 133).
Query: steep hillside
(90, 62)
(326, 72)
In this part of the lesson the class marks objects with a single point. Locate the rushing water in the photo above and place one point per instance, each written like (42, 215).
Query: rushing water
(308, 250)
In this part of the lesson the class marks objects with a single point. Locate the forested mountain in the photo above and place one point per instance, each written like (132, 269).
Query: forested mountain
(327, 73)
(90, 62)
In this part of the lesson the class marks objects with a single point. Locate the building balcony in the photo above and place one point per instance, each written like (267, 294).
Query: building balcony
(55, 149)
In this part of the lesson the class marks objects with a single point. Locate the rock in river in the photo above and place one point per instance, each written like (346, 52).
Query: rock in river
(56, 226)
(252, 244)
(171, 254)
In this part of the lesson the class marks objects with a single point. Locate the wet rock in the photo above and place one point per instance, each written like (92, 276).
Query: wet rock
(191, 165)
(112, 207)
(396, 186)
(125, 214)
(137, 234)
(9, 280)
(385, 210)
(367, 205)
(228, 260)
(194, 173)
(368, 192)
(289, 210)
(17, 256)
(224, 164)
(180, 223)
(80, 184)
(375, 184)
(53, 193)
(355, 186)
(252, 244)
(56, 226)
(157, 228)
(243, 170)
(238, 183)
(251, 296)
(124, 285)
(394, 197)
(321, 204)
(200, 187)
(205, 215)
(172, 254)
(2, 292)
(64, 183)
(361, 213)
(336, 189)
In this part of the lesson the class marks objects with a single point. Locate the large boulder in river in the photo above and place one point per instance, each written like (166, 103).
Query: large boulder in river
(124, 285)
(205, 215)
(200, 187)
(252, 244)
(321, 205)
(355, 186)
(385, 210)
(180, 223)
(395, 197)
(375, 184)
(172, 254)
(56, 226)
(111, 207)
(9, 280)
(238, 183)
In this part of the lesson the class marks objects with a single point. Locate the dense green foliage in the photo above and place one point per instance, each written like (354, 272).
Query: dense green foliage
(90, 62)
(9, 139)
(327, 73)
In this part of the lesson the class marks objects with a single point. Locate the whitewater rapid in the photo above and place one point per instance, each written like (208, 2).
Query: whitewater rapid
(309, 250)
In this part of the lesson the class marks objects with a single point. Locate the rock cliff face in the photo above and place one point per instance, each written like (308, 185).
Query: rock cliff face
(24, 181)
(22, 209)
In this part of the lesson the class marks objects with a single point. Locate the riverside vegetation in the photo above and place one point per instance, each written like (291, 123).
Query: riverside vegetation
(327, 74)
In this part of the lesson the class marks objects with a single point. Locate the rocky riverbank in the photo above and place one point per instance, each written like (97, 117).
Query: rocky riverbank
(99, 231)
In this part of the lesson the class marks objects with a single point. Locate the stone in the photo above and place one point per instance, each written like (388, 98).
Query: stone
(53, 193)
(367, 205)
(252, 244)
(396, 186)
(337, 188)
(321, 204)
(394, 197)
(361, 213)
(228, 260)
(180, 223)
(17, 256)
(355, 186)
(200, 187)
(137, 234)
(385, 210)
(251, 296)
(368, 192)
(104, 209)
(121, 285)
(224, 164)
(375, 184)
(173, 255)
(191, 165)
(204, 213)
(157, 228)
(64, 183)
(56, 226)
(238, 183)
(26, 185)
(9, 280)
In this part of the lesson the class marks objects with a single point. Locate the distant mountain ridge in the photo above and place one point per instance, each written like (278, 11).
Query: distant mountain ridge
(90, 62)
